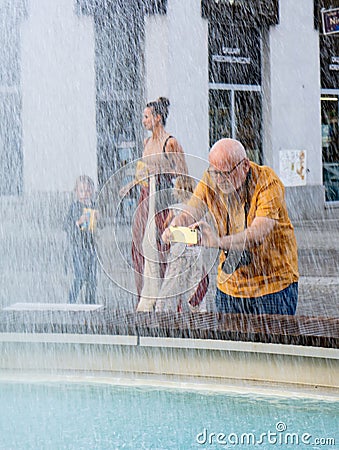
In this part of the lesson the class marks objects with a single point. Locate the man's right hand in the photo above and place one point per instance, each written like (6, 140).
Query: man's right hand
(166, 236)
(176, 222)
(184, 219)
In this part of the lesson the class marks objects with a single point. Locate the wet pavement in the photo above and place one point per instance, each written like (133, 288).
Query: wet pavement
(318, 249)
(34, 261)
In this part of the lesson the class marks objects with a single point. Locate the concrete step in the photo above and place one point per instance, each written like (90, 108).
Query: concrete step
(33, 248)
(319, 262)
(318, 296)
(53, 287)
(35, 251)
(318, 248)
(39, 255)
(22, 286)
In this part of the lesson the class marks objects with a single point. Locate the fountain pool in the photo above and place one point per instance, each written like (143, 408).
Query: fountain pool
(63, 413)
(73, 390)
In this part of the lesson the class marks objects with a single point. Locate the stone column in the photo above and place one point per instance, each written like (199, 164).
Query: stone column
(176, 63)
(11, 161)
(294, 94)
(58, 91)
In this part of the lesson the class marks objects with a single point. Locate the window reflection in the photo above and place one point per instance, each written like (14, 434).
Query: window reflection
(220, 115)
(237, 114)
(248, 123)
(330, 146)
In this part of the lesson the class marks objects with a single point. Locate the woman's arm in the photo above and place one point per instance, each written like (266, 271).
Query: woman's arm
(139, 178)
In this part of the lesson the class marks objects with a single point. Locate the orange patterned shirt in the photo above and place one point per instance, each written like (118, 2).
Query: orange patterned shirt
(274, 263)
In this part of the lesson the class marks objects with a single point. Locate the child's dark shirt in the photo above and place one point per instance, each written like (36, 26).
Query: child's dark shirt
(81, 240)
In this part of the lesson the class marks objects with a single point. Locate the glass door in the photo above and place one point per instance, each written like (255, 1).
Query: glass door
(219, 115)
(236, 112)
(247, 105)
(330, 145)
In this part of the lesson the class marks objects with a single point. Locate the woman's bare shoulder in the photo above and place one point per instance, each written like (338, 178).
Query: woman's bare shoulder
(173, 145)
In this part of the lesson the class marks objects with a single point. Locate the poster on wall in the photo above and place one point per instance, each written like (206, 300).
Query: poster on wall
(292, 166)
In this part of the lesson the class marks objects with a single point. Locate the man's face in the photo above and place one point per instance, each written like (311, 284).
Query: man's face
(227, 177)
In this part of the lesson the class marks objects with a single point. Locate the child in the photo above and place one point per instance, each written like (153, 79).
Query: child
(79, 225)
(185, 283)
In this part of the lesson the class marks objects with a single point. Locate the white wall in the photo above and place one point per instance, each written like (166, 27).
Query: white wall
(295, 86)
(58, 91)
(176, 60)
(156, 57)
(58, 87)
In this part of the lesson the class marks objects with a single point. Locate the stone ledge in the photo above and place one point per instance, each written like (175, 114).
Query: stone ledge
(269, 329)
(58, 338)
(181, 343)
(237, 346)
(246, 362)
(52, 307)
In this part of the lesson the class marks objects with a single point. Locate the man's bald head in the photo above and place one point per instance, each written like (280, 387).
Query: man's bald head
(226, 152)
(229, 164)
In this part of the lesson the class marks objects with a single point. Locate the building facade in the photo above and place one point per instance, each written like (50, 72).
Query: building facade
(76, 74)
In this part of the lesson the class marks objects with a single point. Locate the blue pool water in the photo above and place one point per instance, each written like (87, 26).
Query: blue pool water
(67, 416)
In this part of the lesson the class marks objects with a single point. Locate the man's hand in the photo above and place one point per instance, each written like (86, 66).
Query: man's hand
(208, 237)
(166, 236)
(186, 218)
(179, 220)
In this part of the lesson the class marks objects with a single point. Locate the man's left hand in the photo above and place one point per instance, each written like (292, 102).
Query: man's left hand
(208, 237)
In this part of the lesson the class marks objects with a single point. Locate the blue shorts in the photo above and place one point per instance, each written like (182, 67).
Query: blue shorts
(282, 302)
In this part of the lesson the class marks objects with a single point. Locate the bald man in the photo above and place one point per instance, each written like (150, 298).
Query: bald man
(258, 265)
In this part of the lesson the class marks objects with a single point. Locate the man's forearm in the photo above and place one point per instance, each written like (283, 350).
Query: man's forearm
(236, 241)
(251, 236)
(188, 216)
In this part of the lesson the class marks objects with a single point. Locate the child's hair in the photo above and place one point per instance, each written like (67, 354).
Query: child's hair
(84, 179)
(184, 187)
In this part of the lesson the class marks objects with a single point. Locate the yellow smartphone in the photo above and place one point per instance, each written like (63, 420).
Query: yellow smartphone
(184, 234)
